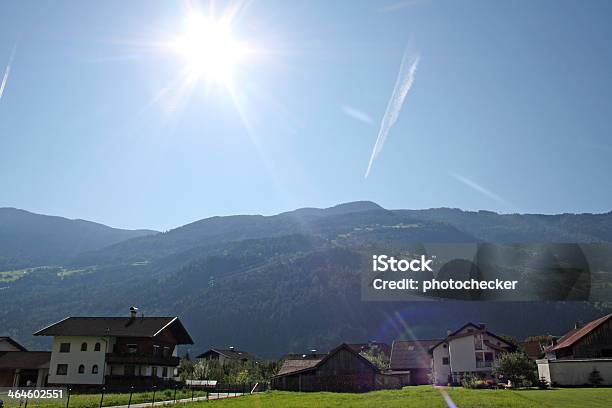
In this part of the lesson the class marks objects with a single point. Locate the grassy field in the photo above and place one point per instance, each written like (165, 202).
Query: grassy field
(426, 397)
(111, 399)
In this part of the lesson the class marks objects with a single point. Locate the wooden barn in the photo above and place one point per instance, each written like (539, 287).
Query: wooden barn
(591, 340)
(341, 370)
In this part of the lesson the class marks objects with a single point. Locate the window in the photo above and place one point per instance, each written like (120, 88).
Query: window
(132, 348)
(478, 342)
(62, 369)
(84, 347)
(94, 369)
(97, 347)
(81, 369)
(410, 348)
(65, 348)
(166, 352)
(156, 350)
(484, 359)
(444, 360)
(165, 372)
(153, 371)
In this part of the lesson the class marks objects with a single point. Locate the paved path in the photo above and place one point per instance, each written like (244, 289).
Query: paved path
(211, 396)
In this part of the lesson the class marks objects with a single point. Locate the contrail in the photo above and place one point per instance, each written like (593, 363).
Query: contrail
(7, 71)
(472, 184)
(404, 82)
(357, 114)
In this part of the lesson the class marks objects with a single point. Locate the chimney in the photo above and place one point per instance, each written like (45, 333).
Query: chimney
(578, 325)
(133, 312)
(313, 351)
(231, 348)
(482, 326)
(449, 332)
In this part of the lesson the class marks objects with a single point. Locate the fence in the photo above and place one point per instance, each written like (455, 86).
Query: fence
(133, 396)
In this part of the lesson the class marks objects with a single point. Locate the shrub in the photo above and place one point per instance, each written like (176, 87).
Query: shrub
(516, 367)
(595, 378)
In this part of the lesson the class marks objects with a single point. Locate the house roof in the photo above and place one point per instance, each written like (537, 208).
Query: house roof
(118, 327)
(407, 354)
(571, 337)
(25, 360)
(12, 342)
(308, 362)
(532, 348)
(457, 334)
(298, 362)
(359, 347)
(231, 354)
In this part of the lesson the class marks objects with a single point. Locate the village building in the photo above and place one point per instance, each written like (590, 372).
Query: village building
(131, 350)
(533, 348)
(470, 350)
(20, 367)
(341, 370)
(411, 361)
(579, 353)
(224, 356)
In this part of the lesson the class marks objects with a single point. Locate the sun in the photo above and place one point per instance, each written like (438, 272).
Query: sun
(209, 49)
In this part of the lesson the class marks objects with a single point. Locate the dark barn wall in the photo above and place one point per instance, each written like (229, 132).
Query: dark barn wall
(342, 372)
(596, 344)
(420, 376)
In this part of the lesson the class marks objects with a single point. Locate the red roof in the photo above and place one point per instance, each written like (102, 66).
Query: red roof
(533, 349)
(574, 335)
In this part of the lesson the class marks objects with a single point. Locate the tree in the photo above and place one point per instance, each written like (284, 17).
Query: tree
(186, 368)
(516, 367)
(510, 340)
(595, 378)
(379, 359)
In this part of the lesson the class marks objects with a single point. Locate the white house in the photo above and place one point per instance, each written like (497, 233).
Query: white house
(134, 350)
(469, 350)
(226, 355)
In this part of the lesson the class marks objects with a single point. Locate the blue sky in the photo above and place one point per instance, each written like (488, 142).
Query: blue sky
(509, 109)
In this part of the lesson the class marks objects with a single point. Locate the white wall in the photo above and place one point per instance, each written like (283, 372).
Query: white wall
(440, 371)
(77, 357)
(574, 372)
(462, 356)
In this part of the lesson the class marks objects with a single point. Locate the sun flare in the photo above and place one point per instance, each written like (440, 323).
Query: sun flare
(209, 49)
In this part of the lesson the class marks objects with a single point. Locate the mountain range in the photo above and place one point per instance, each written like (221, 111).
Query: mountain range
(267, 284)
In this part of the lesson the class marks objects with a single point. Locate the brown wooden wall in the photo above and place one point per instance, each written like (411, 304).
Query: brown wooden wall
(596, 344)
(342, 372)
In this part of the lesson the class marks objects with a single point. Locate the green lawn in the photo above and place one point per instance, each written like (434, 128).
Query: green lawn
(426, 397)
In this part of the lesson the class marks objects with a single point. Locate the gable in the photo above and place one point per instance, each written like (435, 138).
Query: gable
(8, 344)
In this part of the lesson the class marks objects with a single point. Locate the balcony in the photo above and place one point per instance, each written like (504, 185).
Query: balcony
(143, 359)
(484, 364)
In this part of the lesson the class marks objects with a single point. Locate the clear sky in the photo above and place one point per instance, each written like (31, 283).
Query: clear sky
(509, 108)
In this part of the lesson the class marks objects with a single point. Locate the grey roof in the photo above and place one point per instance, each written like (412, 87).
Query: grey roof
(118, 327)
(25, 360)
(231, 354)
(411, 354)
(312, 361)
(298, 362)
